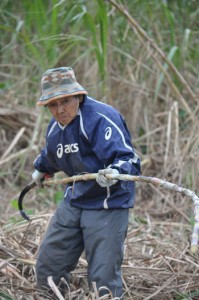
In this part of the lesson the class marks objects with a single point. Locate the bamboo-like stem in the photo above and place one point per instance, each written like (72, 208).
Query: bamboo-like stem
(18, 154)
(151, 180)
(14, 142)
(54, 288)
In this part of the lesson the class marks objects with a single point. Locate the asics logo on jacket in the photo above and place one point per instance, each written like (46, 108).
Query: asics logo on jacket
(108, 133)
(70, 148)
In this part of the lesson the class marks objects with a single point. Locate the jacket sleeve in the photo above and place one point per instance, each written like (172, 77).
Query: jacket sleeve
(111, 141)
(45, 161)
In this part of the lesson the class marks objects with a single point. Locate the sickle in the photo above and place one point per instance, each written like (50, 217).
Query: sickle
(25, 190)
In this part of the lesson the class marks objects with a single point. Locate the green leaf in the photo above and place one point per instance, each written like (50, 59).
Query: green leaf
(5, 296)
(14, 203)
(58, 196)
(170, 56)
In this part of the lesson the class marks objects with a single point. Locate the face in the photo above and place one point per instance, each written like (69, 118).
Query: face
(64, 110)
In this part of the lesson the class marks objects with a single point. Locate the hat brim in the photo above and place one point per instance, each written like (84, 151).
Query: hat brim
(48, 99)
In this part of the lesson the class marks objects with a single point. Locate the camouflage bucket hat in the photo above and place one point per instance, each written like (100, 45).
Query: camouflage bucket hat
(57, 83)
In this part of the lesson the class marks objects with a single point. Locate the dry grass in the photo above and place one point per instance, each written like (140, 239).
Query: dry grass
(157, 264)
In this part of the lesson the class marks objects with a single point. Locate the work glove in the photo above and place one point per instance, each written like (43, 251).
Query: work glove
(103, 181)
(38, 177)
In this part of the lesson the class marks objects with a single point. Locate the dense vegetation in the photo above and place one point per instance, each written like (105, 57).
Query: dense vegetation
(140, 56)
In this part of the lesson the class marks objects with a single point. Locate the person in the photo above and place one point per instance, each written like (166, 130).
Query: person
(85, 136)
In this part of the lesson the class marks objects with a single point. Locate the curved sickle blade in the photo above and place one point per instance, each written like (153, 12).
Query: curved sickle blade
(27, 188)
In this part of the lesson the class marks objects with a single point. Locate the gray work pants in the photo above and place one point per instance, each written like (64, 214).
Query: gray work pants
(100, 232)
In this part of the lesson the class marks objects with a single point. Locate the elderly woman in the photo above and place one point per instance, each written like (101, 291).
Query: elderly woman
(85, 136)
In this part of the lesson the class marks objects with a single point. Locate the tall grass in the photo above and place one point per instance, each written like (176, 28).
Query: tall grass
(99, 35)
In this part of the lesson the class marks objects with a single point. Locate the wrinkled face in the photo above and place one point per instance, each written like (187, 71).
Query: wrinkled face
(65, 109)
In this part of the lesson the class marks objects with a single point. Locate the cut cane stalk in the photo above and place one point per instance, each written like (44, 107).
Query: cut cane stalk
(152, 180)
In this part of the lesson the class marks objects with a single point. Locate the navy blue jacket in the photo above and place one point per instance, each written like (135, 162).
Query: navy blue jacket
(96, 139)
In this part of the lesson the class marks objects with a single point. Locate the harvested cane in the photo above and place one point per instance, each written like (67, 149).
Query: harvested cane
(152, 180)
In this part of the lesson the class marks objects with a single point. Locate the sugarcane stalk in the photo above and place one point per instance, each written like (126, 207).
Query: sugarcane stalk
(151, 180)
